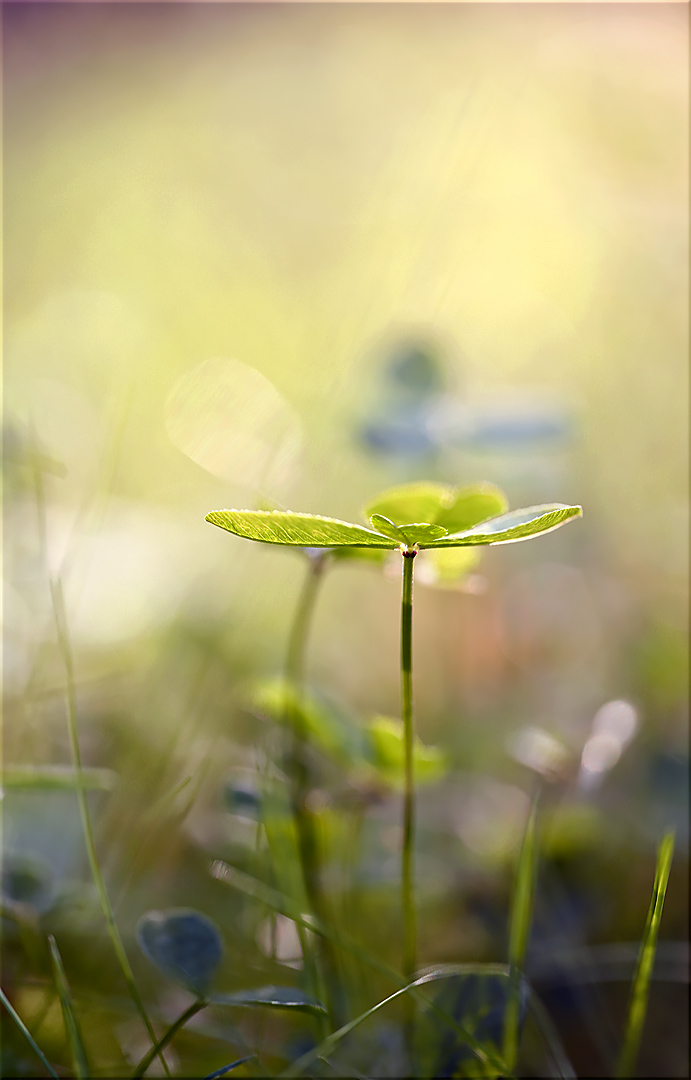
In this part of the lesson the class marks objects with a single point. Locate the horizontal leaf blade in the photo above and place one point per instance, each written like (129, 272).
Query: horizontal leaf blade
(297, 530)
(512, 527)
(56, 778)
(274, 997)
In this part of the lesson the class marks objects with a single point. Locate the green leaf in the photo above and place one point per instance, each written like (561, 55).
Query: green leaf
(421, 532)
(386, 526)
(646, 958)
(445, 568)
(56, 778)
(387, 753)
(324, 726)
(440, 504)
(512, 527)
(275, 997)
(299, 530)
(74, 1035)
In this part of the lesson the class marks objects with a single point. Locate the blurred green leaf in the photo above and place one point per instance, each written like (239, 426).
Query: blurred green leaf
(276, 997)
(387, 753)
(56, 778)
(300, 530)
(440, 504)
(445, 568)
(324, 726)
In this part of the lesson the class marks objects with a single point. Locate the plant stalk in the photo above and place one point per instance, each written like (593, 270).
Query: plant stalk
(408, 851)
(60, 617)
(305, 825)
(407, 869)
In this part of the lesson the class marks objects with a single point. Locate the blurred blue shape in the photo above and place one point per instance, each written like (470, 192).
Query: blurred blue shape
(182, 943)
(414, 414)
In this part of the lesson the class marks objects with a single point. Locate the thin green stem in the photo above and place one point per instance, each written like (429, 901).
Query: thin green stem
(407, 869)
(99, 883)
(27, 1034)
(58, 605)
(408, 850)
(159, 1047)
(305, 825)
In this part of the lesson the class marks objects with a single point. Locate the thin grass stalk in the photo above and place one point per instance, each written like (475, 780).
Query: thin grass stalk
(27, 1034)
(74, 1035)
(298, 1067)
(640, 988)
(519, 933)
(59, 615)
(99, 883)
(158, 1048)
(305, 825)
(286, 906)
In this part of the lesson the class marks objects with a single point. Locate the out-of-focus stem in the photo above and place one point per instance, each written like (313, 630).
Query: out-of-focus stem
(58, 605)
(305, 825)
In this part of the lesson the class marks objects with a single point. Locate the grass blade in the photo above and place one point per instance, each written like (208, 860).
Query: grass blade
(646, 958)
(99, 883)
(158, 1048)
(521, 919)
(298, 1067)
(229, 1068)
(74, 1035)
(27, 1034)
(285, 906)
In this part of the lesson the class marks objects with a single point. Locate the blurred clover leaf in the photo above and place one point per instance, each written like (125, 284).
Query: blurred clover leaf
(387, 753)
(184, 944)
(326, 726)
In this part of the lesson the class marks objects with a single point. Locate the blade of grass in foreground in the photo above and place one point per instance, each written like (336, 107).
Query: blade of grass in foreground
(27, 1034)
(279, 902)
(318, 1052)
(521, 919)
(646, 958)
(59, 615)
(74, 1035)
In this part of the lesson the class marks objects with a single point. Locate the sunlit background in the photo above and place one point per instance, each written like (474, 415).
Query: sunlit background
(288, 256)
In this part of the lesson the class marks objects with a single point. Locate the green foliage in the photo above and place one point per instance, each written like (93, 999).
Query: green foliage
(74, 1035)
(311, 530)
(646, 958)
(273, 997)
(519, 931)
(57, 778)
(387, 753)
(454, 509)
(27, 1034)
(297, 530)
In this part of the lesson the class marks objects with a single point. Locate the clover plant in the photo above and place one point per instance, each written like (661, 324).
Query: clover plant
(411, 518)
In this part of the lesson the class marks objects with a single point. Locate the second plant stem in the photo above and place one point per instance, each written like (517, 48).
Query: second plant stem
(305, 824)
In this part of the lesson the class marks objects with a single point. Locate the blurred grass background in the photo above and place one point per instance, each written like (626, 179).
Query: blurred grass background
(306, 190)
